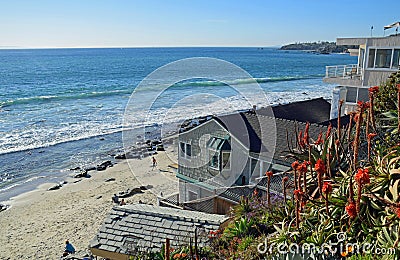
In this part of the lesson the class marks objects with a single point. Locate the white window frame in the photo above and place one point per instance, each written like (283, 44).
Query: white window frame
(228, 165)
(219, 159)
(183, 152)
(376, 48)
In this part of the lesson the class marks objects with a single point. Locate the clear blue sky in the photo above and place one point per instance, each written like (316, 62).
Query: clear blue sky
(120, 23)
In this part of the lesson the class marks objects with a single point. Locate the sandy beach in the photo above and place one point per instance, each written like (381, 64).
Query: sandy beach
(37, 223)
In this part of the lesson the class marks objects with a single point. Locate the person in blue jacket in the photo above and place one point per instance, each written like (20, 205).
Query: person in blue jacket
(69, 248)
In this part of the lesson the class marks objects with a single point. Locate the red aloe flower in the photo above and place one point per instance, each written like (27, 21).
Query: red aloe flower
(351, 210)
(397, 211)
(371, 95)
(301, 140)
(355, 117)
(327, 187)
(297, 194)
(363, 105)
(374, 89)
(269, 174)
(398, 108)
(302, 168)
(306, 138)
(319, 140)
(320, 166)
(255, 193)
(295, 164)
(320, 169)
(362, 176)
(371, 135)
(285, 179)
(328, 132)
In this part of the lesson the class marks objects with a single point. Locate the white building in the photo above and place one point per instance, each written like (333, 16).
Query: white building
(378, 57)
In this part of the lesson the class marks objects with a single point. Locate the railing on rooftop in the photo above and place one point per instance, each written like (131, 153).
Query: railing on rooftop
(343, 71)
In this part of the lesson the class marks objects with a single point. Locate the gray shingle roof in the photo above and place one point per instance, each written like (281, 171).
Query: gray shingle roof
(259, 132)
(314, 111)
(140, 227)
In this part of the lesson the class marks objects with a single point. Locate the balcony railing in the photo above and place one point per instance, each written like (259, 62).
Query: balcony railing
(343, 71)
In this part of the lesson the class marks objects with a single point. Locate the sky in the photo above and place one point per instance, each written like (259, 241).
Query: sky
(154, 23)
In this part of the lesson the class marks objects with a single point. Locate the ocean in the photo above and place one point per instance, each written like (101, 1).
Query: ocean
(63, 108)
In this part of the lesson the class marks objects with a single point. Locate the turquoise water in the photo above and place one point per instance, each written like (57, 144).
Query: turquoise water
(55, 104)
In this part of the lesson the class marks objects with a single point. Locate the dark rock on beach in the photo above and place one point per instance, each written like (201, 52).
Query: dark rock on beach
(101, 168)
(110, 179)
(55, 187)
(92, 168)
(146, 187)
(2, 207)
(120, 156)
(75, 169)
(156, 142)
(129, 192)
(104, 165)
(82, 174)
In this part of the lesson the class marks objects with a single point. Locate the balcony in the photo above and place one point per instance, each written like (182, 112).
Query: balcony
(344, 74)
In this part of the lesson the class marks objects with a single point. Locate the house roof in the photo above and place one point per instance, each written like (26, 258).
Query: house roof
(313, 111)
(145, 227)
(286, 131)
(260, 134)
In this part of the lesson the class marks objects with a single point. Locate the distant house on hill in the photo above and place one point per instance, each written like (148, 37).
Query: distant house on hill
(226, 157)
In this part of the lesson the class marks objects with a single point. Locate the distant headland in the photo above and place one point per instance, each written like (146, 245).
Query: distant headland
(318, 47)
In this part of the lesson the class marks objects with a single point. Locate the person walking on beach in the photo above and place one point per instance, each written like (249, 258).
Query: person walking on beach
(154, 162)
(115, 199)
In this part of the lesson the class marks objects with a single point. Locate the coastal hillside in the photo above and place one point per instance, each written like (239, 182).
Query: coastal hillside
(318, 47)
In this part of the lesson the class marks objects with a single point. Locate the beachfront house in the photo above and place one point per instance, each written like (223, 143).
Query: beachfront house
(137, 229)
(227, 156)
(378, 58)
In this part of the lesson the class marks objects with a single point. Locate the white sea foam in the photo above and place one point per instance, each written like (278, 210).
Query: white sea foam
(37, 137)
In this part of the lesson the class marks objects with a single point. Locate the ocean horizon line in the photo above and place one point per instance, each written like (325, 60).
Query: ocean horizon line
(130, 47)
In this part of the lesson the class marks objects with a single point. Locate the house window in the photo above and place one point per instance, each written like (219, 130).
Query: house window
(214, 159)
(383, 57)
(188, 150)
(371, 58)
(226, 160)
(396, 59)
(192, 195)
(185, 150)
(219, 153)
